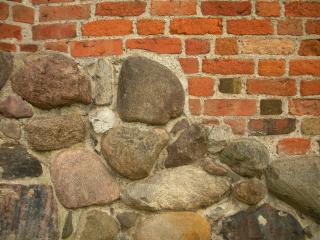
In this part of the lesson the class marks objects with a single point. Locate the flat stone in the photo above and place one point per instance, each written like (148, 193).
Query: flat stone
(250, 191)
(15, 107)
(6, 67)
(132, 152)
(264, 222)
(148, 92)
(179, 126)
(189, 147)
(28, 212)
(247, 157)
(296, 181)
(16, 162)
(68, 226)
(128, 219)
(55, 132)
(180, 188)
(80, 179)
(102, 119)
(174, 226)
(10, 128)
(213, 167)
(51, 80)
(97, 225)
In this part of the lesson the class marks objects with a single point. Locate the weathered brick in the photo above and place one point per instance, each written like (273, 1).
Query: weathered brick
(158, 45)
(271, 67)
(308, 88)
(302, 9)
(60, 46)
(310, 47)
(304, 67)
(230, 85)
(7, 47)
(189, 65)
(195, 106)
(210, 121)
(270, 106)
(196, 26)
(281, 87)
(264, 127)
(53, 31)
(197, 46)
(200, 86)
(173, 7)
(302, 107)
(10, 31)
(268, 9)
(96, 48)
(4, 11)
(293, 146)
(226, 46)
(123, 8)
(267, 46)
(238, 126)
(113, 27)
(290, 27)
(23, 14)
(150, 27)
(310, 126)
(313, 27)
(72, 12)
(230, 107)
(249, 27)
(50, 1)
(228, 66)
(226, 8)
(28, 47)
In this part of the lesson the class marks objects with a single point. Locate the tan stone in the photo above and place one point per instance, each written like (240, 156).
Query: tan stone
(266, 46)
(311, 126)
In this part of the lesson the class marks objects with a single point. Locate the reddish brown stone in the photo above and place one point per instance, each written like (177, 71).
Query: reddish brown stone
(15, 107)
(250, 191)
(214, 168)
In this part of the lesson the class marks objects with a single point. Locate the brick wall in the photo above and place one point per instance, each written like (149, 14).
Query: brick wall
(252, 65)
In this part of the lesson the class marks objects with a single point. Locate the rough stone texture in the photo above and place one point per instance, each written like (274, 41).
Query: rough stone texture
(247, 157)
(6, 67)
(296, 181)
(189, 147)
(270, 107)
(16, 162)
(80, 179)
(102, 119)
(15, 107)
(68, 226)
(51, 80)
(174, 226)
(102, 74)
(264, 222)
(214, 168)
(148, 92)
(10, 128)
(180, 188)
(311, 126)
(131, 151)
(56, 132)
(230, 85)
(28, 212)
(97, 225)
(127, 219)
(179, 126)
(250, 191)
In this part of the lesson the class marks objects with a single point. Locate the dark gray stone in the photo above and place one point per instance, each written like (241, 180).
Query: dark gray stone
(148, 92)
(68, 226)
(127, 219)
(6, 67)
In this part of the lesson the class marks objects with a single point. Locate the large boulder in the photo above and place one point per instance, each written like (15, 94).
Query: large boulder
(180, 188)
(148, 92)
(132, 152)
(51, 80)
(297, 182)
(6, 67)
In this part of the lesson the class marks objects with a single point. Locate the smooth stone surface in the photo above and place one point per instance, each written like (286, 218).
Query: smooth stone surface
(15, 107)
(247, 157)
(51, 80)
(10, 128)
(97, 225)
(191, 145)
(80, 179)
(297, 182)
(127, 219)
(102, 119)
(264, 222)
(16, 162)
(6, 67)
(148, 92)
(179, 126)
(174, 226)
(180, 188)
(55, 132)
(250, 191)
(28, 212)
(131, 151)
(68, 226)
(214, 168)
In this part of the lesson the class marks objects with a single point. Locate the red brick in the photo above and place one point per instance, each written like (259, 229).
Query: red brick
(230, 107)
(53, 31)
(228, 66)
(293, 146)
(22, 14)
(304, 67)
(158, 45)
(173, 7)
(72, 12)
(310, 47)
(303, 9)
(268, 9)
(4, 11)
(210, 121)
(283, 87)
(271, 67)
(60, 46)
(189, 65)
(309, 88)
(8, 47)
(123, 8)
(195, 106)
(301, 107)
(249, 27)
(197, 46)
(313, 27)
(96, 48)
(150, 27)
(226, 46)
(270, 126)
(200, 86)
(226, 8)
(238, 126)
(290, 27)
(10, 31)
(114, 27)
(49, 1)
(196, 26)
(28, 47)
